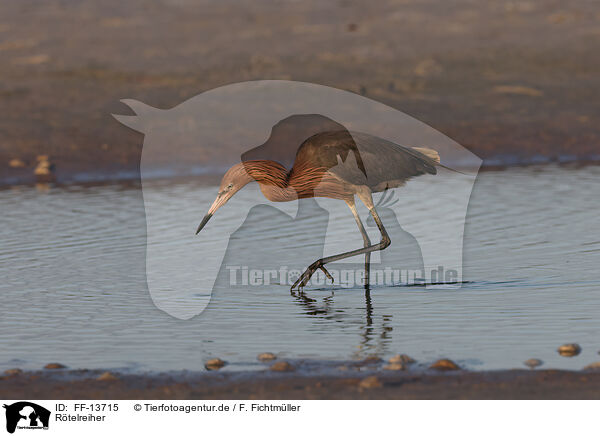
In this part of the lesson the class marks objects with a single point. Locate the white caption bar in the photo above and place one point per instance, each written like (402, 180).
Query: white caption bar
(299, 417)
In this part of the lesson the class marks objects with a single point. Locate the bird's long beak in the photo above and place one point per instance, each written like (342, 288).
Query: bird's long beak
(221, 199)
(204, 221)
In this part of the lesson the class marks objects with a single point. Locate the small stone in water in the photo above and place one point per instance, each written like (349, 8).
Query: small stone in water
(397, 366)
(533, 363)
(569, 350)
(402, 358)
(54, 366)
(265, 357)
(370, 383)
(107, 376)
(444, 365)
(282, 366)
(214, 364)
(13, 371)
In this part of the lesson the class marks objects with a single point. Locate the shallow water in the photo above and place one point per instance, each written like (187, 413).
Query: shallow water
(72, 262)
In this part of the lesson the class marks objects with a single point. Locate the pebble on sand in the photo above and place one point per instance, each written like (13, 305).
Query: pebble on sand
(370, 383)
(402, 358)
(533, 363)
(282, 366)
(214, 364)
(13, 371)
(16, 163)
(107, 376)
(517, 90)
(569, 350)
(44, 167)
(265, 357)
(396, 366)
(44, 171)
(593, 366)
(54, 365)
(444, 365)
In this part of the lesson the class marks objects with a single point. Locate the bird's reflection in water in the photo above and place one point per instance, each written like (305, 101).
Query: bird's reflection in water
(375, 336)
(269, 229)
(376, 330)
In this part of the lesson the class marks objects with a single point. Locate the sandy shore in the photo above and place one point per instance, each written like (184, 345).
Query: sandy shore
(509, 384)
(514, 82)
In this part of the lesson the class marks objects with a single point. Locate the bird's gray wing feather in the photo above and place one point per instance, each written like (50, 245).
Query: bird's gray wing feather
(362, 159)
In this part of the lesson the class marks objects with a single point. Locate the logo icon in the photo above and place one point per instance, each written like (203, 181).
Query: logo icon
(26, 415)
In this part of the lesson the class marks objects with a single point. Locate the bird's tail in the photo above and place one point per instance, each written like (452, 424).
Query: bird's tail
(434, 156)
(430, 153)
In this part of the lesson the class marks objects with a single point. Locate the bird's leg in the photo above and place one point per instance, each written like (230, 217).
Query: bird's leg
(366, 239)
(385, 242)
(329, 276)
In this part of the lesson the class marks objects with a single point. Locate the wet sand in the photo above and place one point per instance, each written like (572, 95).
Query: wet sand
(513, 81)
(509, 384)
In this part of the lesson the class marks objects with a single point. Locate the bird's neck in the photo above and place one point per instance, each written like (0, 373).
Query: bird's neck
(279, 184)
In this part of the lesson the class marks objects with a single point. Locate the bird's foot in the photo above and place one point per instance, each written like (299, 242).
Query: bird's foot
(306, 275)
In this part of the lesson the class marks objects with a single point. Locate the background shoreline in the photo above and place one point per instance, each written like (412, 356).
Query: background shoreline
(513, 82)
(26, 177)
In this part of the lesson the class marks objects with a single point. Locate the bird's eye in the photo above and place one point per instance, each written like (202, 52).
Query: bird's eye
(230, 186)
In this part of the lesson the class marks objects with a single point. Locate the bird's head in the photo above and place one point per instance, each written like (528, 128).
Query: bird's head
(234, 179)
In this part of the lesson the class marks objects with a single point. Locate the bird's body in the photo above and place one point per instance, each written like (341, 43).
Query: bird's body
(380, 164)
(322, 169)
(337, 164)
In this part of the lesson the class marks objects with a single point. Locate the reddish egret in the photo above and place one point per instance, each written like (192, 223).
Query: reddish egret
(322, 169)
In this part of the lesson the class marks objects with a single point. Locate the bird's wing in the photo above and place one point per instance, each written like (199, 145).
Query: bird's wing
(362, 159)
